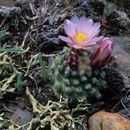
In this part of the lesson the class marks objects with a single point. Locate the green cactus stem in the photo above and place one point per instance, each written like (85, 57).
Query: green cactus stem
(79, 83)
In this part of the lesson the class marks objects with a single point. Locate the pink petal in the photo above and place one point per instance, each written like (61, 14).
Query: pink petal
(75, 41)
(81, 25)
(86, 48)
(84, 42)
(88, 24)
(66, 39)
(95, 39)
(106, 52)
(95, 53)
(82, 21)
(76, 46)
(84, 26)
(80, 47)
(69, 28)
(108, 40)
(95, 30)
(71, 45)
(87, 42)
(74, 19)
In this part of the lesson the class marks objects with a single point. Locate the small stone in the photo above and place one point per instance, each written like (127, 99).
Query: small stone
(110, 121)
(6, 11)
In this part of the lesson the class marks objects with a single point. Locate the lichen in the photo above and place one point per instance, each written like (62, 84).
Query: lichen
(56, 115)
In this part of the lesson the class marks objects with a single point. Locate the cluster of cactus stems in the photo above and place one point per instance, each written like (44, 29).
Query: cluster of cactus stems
(74, 82)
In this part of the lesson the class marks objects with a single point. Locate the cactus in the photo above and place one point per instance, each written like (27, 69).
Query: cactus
(75, 83)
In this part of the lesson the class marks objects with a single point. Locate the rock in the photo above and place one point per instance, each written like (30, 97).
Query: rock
(13, 3)
(120, 19)
(125, 112)
(6, 11)
(7, 36)
(121, 53)
(21, 117)
(115, 83)
(110, 121)
(9, 3)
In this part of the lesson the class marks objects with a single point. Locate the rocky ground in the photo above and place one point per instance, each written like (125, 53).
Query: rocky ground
(34, 26)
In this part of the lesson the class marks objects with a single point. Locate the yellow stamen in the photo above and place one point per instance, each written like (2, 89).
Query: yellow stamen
(80, 37)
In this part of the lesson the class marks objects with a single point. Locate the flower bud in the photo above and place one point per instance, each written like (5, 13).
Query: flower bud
(102, 53)
(73, 60)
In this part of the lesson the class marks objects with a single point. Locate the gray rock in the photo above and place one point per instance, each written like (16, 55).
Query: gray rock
(121, 54)
(6, 11)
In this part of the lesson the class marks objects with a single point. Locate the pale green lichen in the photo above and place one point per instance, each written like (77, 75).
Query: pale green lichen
(6, 66)
(9, 70)
(55, 114)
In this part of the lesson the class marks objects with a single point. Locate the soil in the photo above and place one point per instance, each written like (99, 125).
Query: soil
(38, 28)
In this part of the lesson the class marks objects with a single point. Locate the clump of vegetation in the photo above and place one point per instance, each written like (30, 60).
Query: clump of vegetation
(15, 23)
(19, 85)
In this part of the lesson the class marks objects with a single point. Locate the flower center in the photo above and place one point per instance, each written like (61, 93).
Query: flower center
(80, 37)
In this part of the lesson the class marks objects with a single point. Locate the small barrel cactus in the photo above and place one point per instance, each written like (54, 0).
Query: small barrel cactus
(75, 82)
(76, 74)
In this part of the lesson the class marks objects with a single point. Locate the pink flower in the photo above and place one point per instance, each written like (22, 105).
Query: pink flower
(102, 53)
(82, 33)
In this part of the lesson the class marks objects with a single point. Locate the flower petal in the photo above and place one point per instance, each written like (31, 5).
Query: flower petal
(95, 40)
(66, 39)
(69, 28)
(74, 19)
(81, 26)
(75, 41)
(95, 30)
